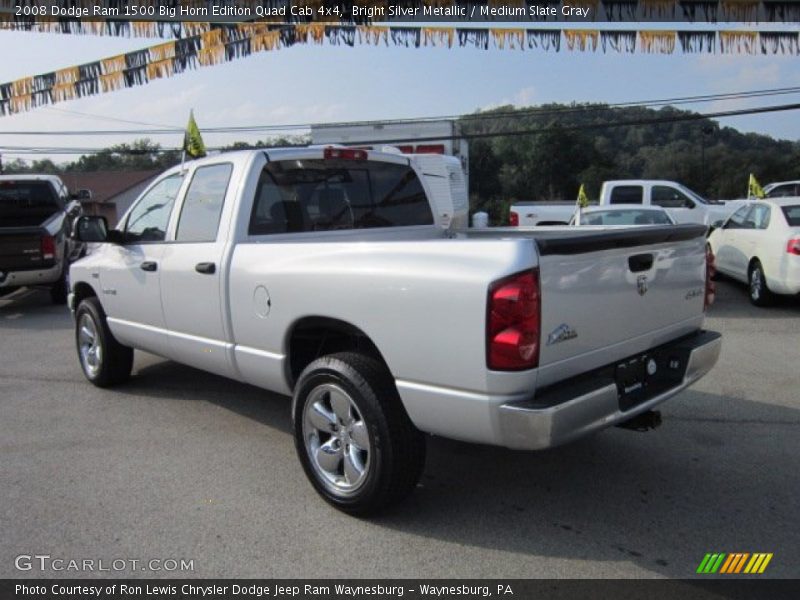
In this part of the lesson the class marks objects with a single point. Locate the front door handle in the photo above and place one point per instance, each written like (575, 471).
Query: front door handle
(149, 265)
(206, 268)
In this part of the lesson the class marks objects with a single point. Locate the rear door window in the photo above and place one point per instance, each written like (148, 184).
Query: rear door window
(626, 194)
(328, 195)
(759, 216)
(202, 207)
(792, 214)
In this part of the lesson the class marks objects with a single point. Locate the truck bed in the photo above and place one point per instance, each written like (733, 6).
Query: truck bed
(608, 293)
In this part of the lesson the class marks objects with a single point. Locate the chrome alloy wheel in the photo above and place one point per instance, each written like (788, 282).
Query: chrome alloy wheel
(756, 284)
(336, 439)
(90, 347)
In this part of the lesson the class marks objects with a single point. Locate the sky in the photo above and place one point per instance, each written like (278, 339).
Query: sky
(311, 83)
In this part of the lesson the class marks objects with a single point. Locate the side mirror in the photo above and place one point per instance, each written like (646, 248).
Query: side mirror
(688, 204)
(81, 195)
(74, 209)
(91, 229)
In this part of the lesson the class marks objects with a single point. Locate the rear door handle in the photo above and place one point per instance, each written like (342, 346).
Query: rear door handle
(206, 268)
(640, 262)
(149, 265)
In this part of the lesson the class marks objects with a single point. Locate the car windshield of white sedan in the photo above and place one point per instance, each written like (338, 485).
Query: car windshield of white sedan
(792, 215)
(626, 217)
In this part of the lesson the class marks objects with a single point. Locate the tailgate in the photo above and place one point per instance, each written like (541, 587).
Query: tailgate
(21, 249)
(607, 295)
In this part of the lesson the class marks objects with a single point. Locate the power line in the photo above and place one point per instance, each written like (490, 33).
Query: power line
(107, 118)
(480, 116)
(674, 118)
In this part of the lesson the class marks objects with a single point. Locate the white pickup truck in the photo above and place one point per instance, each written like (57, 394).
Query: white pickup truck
(681, 203)
(330, 274)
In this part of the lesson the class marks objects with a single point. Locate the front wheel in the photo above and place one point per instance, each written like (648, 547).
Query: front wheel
(104, 360)
(760, 294)
(355, 441)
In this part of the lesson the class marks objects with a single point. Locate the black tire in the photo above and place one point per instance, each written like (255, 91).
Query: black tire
(58, 293)
(757, 288)
(396, 455)
(113, 362)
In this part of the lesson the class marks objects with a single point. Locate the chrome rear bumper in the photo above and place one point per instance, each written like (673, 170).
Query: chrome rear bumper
(528, 425)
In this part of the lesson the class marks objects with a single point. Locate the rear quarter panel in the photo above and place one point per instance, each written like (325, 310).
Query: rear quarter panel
(423, 303)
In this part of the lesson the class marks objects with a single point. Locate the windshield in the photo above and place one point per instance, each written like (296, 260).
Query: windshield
(626, 217)
(695, 195)
(26, 203)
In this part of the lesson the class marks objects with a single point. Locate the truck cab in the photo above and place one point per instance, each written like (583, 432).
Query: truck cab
(681, 203)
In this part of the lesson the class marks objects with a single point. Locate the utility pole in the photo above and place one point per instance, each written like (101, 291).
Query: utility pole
(706, 131)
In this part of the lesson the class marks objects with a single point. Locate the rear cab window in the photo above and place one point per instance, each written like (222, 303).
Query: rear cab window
(27, 203)
(332, 194)
(626, 194)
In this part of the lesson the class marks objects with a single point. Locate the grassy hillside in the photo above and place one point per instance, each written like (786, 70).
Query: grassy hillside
(574, 144)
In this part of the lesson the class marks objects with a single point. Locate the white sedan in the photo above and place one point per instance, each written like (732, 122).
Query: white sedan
(759, 244)
(622, 214)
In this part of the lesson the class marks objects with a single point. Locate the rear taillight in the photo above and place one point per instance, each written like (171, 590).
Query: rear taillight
(513, 323)
(345, 154)
(48, 247)
(711, 287)
(793, 246)
(430, 149)
(513, 219)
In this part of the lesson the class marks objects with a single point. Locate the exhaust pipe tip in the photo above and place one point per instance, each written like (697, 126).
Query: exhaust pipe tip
(643, 422)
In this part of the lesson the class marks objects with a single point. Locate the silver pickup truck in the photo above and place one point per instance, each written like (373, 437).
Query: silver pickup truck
(343, 277)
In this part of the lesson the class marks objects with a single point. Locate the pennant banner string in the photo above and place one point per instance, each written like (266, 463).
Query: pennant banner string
(209, 44)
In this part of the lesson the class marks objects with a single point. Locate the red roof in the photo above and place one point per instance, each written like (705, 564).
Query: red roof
(106, 185)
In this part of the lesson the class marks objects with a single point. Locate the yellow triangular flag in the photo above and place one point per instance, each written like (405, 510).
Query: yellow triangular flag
(754, 188)
(583, 199)
(192, 140)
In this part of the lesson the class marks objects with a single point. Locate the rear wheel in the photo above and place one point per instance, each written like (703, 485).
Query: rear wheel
(58, 293)
(105, 362)
(759, 292)
(354, 439)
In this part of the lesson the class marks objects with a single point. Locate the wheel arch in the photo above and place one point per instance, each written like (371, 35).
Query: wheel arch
(81, 291)
(311, 337)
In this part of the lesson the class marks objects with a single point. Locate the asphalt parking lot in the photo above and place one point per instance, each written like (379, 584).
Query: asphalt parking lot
(182, 464)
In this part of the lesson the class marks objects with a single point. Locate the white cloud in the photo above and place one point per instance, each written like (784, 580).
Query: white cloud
(523, 97)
